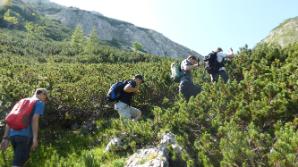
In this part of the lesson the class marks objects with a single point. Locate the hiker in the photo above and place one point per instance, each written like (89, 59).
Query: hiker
(123, 105)
(186, 86)
(214, 64)
(25, 139)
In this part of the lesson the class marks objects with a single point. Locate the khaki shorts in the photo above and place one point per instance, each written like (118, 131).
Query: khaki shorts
(126, 111)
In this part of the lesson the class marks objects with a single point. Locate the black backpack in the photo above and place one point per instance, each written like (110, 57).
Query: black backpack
(211, 64)
(114, 92)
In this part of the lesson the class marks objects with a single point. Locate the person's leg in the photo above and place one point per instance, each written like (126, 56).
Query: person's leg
(135, 113)
(21, 149)
(123, 110)
(29, 145)
(224, 75)
(196, 90)
(214, 77)
(184, 89)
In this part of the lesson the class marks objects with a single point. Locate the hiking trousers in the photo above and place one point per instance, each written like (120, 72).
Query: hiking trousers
(126, 111)
(188, 89)
(21, 148)
(222, 73)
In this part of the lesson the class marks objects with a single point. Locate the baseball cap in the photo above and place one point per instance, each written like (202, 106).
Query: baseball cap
(42, 90)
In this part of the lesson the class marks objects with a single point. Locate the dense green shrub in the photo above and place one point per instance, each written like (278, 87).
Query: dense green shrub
(250, 121)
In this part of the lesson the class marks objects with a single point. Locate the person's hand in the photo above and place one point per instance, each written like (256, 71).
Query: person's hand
(138, 91)
(4, 144)
(34, 144)
(196, 65)
(230, 53)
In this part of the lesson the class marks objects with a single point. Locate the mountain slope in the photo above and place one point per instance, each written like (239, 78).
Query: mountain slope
(17, 15)
(286, 33)
(112, 30)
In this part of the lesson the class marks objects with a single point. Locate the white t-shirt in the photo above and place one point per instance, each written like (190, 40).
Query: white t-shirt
(184, 64)
(220, 58)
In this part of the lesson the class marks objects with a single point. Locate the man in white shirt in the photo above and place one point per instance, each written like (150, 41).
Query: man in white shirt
(220, 59)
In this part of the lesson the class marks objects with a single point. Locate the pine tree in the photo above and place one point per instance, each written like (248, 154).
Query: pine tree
(92, 43)
(136, 46)
(9, 18)
(78, 40)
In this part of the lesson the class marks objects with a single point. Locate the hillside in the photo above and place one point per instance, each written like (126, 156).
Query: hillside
(250, 121)
(112, 30)
(284, 34)
(16, 15)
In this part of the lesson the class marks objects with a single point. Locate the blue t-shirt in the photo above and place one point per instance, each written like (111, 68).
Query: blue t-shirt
(27, 132)
(127, 97)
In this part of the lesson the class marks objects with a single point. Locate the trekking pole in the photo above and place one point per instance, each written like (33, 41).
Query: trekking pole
(4, 159)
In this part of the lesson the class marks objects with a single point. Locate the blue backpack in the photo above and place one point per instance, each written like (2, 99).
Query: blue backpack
(176, 72)
(114, 92)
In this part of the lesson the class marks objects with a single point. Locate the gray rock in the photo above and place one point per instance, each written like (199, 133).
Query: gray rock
(117, 143)
(114, 144)
(155, 156)
(36, 1)
(110, 29)
(169, 139)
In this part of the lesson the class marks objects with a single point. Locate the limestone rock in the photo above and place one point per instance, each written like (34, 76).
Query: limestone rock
(124, 33)
(155, 156)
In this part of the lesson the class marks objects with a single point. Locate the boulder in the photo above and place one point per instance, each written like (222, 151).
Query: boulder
(155, 156)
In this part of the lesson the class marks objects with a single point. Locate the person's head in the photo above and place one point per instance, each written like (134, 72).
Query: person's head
(218, 49)
(139, 79)
(193, 59)
(42, 94)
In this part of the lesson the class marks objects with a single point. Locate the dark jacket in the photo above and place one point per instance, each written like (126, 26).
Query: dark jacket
(127, 97)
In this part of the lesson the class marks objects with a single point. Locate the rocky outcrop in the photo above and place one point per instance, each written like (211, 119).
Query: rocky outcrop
(36, 1)
(152, 156)
(155, 156)
(285, 34)
(115, 144)
(113, 30)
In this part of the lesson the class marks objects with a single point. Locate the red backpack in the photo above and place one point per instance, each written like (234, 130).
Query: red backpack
(19, 117)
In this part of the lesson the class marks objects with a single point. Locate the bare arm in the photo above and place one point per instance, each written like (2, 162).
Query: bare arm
(230, 53)
(6, 131)
(190, 67)
(35, 128)
(229, 56)
(4, 143)
(129, 89)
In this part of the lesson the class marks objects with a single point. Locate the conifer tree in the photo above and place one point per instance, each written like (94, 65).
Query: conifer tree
(136, 46)
(78, 40)
(92, 43)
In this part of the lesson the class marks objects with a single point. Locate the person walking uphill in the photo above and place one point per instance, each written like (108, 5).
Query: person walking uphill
(122, 93)
(214, 64)
(22, 126)
(186, 86)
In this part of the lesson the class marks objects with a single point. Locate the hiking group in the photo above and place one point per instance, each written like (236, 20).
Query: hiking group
(213, 63)
(22, 122)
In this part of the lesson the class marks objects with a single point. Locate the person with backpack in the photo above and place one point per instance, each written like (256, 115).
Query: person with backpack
(186, 86)
(22, 126)
(122, 93)
(214, 64)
